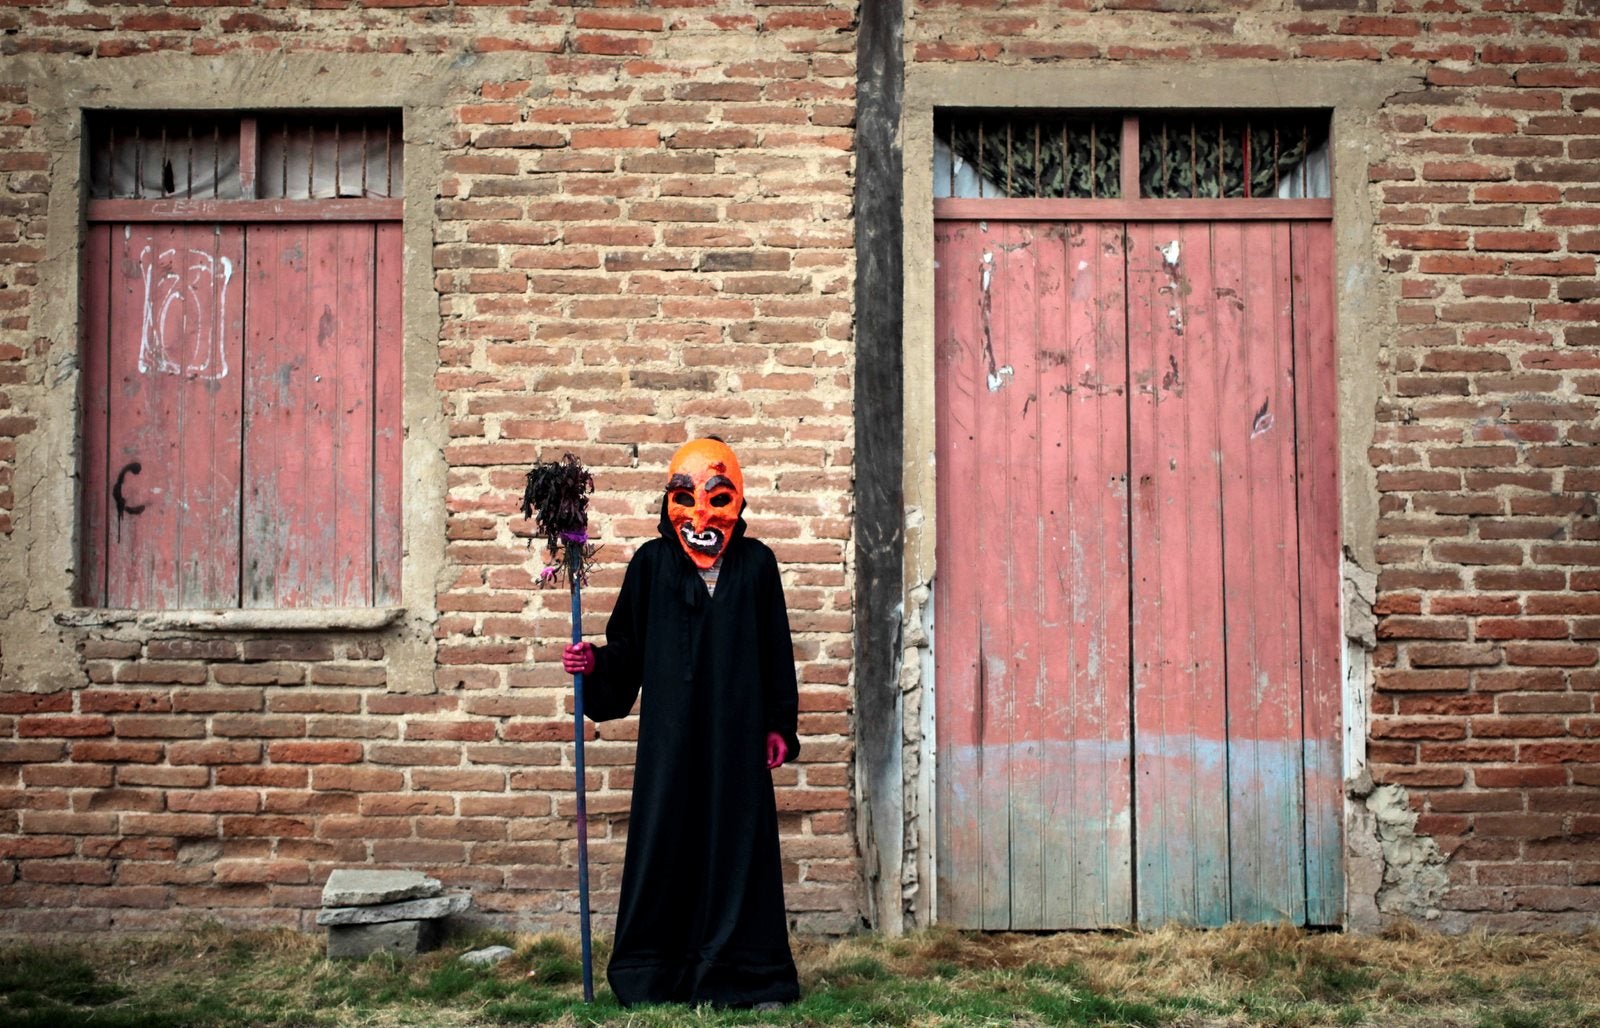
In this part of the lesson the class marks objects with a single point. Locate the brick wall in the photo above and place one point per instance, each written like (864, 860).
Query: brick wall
(642, 236)
(22, 194)
(647, 235)
(1487, 198)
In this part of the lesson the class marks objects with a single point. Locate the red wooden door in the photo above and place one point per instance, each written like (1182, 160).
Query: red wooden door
(242, 422)
(1137, 686)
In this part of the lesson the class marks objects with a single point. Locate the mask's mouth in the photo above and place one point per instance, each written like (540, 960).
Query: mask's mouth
(709, 541)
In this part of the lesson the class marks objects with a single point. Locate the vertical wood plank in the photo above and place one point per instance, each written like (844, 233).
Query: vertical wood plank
(350, 421)
(1179, 696)
(1083, 470)
(388, 406)
(317, 540)
(958, 713)
(993, 563)
(1027, 289)
(1317, 476)
(95, 481)
(208, 408)
(277, 491)
(1261, 585)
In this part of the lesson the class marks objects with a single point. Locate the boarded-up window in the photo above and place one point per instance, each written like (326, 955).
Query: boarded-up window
(241, 431)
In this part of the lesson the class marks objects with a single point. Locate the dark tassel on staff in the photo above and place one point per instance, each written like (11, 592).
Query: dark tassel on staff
(557, 497)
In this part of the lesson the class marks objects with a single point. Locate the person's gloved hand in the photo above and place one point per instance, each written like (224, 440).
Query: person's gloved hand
(578, 659)
(777, 750)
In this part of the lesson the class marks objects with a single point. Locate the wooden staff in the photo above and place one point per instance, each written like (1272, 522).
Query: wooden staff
(558, 493)
(574, 556)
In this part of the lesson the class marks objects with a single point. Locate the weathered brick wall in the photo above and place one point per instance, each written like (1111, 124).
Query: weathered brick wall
(22, 189)
(1487, 199)
(643, 236)
(647, 235)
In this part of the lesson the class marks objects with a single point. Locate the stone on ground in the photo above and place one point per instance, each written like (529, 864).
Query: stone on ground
(487, 956)
(402, 938)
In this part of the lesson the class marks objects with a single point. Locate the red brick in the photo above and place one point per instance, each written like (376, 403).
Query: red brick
(214, 752)
(42, 726)
(288, 649)
(314, 752)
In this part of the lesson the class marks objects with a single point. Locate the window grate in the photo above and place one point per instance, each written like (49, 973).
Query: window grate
(163, 156)
(1244, 155)
(1233, 156)
(1010, 155)
(184, 155)
(319, 158)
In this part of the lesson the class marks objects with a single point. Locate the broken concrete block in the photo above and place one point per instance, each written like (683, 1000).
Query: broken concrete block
(402, 938)
(358, 887)
(406, 910)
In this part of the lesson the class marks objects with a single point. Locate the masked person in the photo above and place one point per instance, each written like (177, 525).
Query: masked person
(701, 627)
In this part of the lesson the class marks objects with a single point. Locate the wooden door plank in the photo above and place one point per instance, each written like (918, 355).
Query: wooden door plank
(1027, 294)
(1179, 695)
(95, 501)
(173, 421)
(350, 422)
(313, 575)
(1083, 471)
(388, 406)
(994, 562)
(958, 714)
(209, 410)
(276, 478)
(1316, 437)
(1261, 586)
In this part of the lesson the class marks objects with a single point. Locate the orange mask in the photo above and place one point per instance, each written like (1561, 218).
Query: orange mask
(705, 493)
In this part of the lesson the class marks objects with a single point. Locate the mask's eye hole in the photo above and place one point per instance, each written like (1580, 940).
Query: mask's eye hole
(683, 499)
(721, 499)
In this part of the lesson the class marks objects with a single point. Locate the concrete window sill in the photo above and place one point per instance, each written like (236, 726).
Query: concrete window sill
(340, 619)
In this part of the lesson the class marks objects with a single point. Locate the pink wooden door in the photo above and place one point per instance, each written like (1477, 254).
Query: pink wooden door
(1137, 685)
(242, 420)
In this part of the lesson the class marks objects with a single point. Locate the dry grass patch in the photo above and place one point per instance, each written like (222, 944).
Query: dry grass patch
(1240, 975)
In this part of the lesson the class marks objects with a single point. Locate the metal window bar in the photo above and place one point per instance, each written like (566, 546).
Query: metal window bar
(1009, 165)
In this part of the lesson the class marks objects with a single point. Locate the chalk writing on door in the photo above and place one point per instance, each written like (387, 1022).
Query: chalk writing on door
(185, 301)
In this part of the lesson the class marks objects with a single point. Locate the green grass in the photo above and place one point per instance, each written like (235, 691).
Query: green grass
(210, 976)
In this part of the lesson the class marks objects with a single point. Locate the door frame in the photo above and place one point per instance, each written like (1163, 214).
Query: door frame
(905, 877)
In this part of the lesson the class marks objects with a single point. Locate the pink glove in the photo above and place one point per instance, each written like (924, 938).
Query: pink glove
(578, 659)
(777, 750)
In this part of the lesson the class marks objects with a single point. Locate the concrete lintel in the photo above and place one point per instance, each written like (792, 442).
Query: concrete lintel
(1213, 85)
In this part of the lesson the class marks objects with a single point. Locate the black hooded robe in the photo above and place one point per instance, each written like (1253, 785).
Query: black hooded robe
(702, 916)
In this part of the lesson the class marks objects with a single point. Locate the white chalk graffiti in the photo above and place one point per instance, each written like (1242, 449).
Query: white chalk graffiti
(182, 334)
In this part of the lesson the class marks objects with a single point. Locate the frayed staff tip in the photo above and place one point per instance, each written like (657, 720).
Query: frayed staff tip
(557, 497)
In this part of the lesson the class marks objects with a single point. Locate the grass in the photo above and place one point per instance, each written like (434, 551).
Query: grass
(1237, 976)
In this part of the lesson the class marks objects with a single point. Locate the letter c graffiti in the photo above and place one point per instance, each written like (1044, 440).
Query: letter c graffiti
(130, 468)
